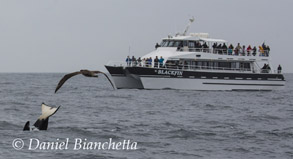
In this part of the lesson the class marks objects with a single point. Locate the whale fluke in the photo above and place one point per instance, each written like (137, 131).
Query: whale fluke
(27, 126)
(42, 122)
(86, 73)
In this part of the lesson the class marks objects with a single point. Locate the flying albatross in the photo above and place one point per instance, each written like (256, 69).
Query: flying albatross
(86, 73)
(42, 122)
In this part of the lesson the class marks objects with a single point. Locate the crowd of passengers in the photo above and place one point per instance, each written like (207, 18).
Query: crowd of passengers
(263, 49)
(145, 62)
(267, 69)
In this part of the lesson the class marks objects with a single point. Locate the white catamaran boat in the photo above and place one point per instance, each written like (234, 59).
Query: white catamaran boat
(197, 62)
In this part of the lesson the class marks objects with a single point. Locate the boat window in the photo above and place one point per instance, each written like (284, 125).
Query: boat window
(177, 43)
(163, 43)
(237, 65)
(184, 43)
(171, 43)
(233, 64)
(219, 65)
(225, 64)
(246, 65)
(208, 65)
(241, 65)
(191, 44)
(199, 63)
(216, 64)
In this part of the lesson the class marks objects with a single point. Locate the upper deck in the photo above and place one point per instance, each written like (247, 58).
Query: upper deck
(200, 42)
(198, 46)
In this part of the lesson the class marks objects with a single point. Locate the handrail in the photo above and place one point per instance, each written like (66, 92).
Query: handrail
(190, 67)
(174, 66)
(199, 67)
(234, 52)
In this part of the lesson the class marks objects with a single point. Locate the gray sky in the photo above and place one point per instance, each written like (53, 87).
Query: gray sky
(68, 35)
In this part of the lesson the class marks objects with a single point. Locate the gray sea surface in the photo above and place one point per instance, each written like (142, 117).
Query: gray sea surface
(173, 124)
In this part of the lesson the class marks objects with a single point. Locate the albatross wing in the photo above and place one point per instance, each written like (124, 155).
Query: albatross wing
(65, 78)
(106, 77)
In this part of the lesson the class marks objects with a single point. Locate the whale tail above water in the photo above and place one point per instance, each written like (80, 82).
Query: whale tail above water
(42, 122)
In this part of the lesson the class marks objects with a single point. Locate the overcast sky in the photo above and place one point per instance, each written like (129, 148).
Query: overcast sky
(68, 35)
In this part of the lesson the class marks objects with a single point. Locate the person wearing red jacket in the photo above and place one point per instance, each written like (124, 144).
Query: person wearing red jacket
(248, 50)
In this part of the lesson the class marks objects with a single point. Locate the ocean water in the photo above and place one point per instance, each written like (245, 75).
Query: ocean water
(164, 123)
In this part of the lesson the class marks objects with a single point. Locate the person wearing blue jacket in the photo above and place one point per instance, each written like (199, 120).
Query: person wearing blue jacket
(150, 61)
(161, 61)
(128, 61)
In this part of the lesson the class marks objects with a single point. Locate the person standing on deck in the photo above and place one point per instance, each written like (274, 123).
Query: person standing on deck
(128, 61)
(139, 61)
(157, 45)
(161, 61)
(133, 61)
(237, 49)
(230, 50)
(248, 50)
(254, 51)
(243, 50)
(261, 51)
(279, 69)
(156, 62)
(143, 62)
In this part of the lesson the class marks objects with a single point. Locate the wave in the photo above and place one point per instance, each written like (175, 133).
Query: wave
(276, 133)
(5, 125)
(188, 134)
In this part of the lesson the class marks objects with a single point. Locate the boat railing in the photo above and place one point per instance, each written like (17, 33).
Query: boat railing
(199, 67)
(232, 52)
(267, 71)
(189, 67)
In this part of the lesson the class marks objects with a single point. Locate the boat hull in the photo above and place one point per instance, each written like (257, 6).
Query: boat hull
(162, 78)
(124, 80)
(209, 84)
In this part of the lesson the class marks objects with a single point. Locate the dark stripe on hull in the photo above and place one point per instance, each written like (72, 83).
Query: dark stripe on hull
(245, 84)
(116, 70)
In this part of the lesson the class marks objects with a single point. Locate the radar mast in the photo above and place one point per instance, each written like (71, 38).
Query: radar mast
(187, 27)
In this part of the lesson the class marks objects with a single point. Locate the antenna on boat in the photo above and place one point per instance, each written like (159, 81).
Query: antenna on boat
(187, 27)
(129, 50)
